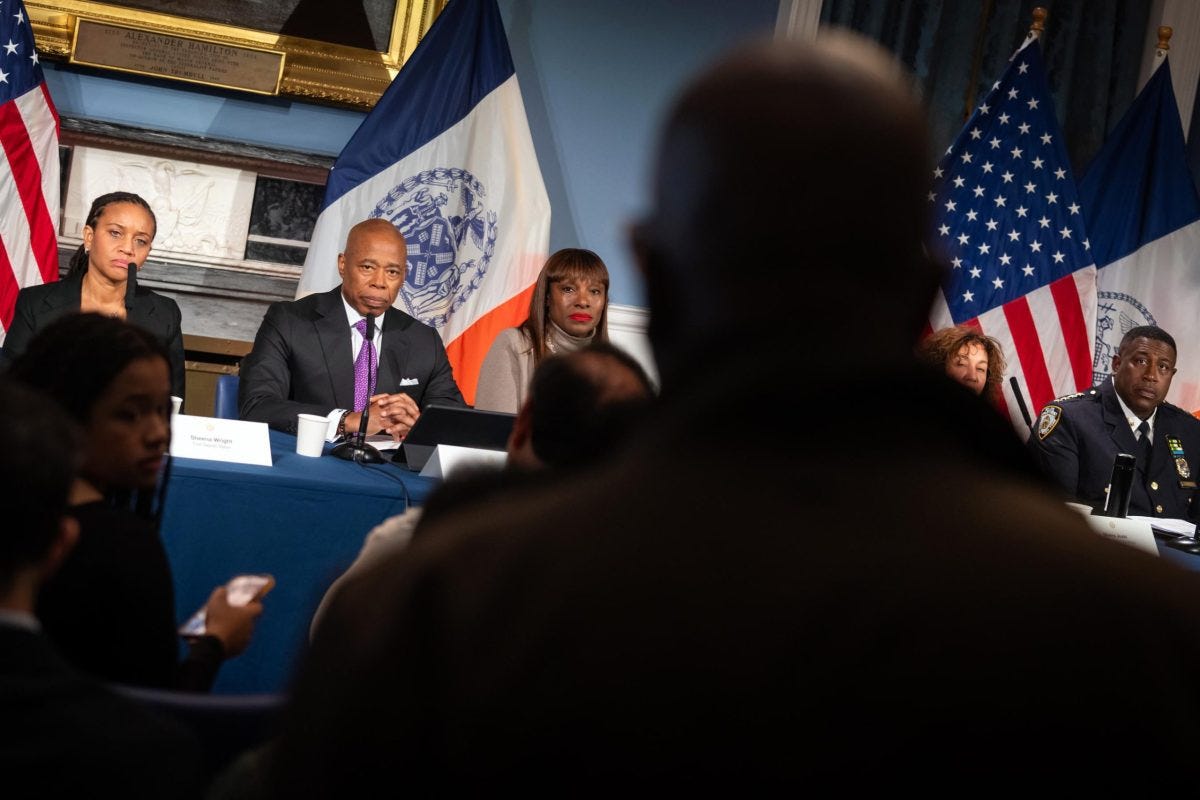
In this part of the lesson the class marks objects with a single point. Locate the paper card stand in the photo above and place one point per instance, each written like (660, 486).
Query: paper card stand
(448, 459)
(215, 439)
(1135, 533)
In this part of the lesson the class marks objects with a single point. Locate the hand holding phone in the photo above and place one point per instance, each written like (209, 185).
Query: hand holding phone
(238, 593)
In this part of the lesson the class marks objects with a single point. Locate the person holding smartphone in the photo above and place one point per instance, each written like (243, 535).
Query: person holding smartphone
(110, 610)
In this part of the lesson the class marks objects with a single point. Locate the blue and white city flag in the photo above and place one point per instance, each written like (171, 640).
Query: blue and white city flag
(1139, 199)
(1008, 224)
(446, 156)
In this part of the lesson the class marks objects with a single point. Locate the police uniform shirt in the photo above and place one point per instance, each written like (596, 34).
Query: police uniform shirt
(1134, 421)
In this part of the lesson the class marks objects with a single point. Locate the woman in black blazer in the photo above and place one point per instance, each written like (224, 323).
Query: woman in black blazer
(117, 233)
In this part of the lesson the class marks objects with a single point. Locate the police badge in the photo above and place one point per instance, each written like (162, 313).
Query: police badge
(1048, 421)
(1181, 465)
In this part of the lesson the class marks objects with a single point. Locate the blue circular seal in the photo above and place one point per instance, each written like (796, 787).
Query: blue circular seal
(1116, 314)
(451, 238)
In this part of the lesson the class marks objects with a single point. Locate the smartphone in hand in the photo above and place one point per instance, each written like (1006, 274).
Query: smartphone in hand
(239, 591)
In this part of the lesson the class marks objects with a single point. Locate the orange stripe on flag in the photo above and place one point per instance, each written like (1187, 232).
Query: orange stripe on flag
(467, 352)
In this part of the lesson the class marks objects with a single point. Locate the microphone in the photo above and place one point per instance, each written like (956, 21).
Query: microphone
(130, 284)
(1016, 390)
(368, 341)
(355, 448)
(1120, 487)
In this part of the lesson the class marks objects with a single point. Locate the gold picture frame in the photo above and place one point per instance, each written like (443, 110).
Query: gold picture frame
(311, 69)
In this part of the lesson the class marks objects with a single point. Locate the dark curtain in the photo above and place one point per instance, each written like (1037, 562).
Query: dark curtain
(1093, 51)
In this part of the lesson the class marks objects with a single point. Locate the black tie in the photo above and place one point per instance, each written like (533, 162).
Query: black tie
(1144, 444)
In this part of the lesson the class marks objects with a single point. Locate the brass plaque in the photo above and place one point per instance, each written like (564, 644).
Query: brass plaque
(162, 55)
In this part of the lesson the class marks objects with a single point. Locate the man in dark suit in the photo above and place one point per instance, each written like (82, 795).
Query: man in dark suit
(306, 352)
(1078, 437)
(788, 580)
(62, 735)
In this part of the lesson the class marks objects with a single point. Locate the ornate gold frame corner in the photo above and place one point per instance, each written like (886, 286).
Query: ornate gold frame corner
(311, 69)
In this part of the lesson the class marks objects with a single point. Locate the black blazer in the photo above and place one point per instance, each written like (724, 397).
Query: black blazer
(64, 735)
(301, 362)
(38, 306)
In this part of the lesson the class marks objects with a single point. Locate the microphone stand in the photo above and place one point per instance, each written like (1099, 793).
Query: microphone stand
(130, 287)
(355, 448)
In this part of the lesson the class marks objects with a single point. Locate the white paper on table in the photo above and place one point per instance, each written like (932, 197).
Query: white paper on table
(1174, 527)
(382, 441)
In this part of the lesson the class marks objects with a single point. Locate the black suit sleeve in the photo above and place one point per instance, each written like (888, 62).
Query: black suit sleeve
(265, 386)
(441, 388)
(1057, 455)
(174, 343)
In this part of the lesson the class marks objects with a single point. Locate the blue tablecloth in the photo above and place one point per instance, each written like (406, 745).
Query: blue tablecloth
(302, 520)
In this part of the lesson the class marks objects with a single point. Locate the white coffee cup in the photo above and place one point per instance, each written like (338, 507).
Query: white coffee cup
(176, 402)
(310, 434)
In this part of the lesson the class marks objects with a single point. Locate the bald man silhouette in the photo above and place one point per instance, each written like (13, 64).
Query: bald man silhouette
(790, 579)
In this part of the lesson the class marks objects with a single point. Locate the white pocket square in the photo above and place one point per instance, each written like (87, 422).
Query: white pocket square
(409, 381)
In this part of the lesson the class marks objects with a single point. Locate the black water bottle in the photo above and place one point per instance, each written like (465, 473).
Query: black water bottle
(1120, 487)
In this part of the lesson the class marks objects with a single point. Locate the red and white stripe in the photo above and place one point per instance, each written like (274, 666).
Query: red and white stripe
(1045, 337)
(29, 196)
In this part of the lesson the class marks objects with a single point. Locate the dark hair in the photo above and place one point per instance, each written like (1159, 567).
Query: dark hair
(579, 410)
(939, 347)
(76, 357)
(39, 453)
(1152, 332)
(571, 263)
(79, 260)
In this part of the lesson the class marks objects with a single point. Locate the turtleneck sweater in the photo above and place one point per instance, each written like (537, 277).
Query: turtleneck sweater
(507, 369)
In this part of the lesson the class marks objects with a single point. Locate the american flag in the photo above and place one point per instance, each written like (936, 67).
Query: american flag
(1009, 224)
(29, 173)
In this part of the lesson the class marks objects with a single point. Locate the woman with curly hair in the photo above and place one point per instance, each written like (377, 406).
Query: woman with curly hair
(966, 356)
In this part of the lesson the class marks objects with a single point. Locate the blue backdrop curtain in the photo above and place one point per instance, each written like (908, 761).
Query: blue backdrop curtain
(957, 49)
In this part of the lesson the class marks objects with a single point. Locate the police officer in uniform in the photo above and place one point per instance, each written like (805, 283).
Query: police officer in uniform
(1078, 437)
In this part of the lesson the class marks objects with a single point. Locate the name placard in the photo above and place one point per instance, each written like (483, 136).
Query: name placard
(448, 459)
(1131, 532)
(162, 55)
(220, 440)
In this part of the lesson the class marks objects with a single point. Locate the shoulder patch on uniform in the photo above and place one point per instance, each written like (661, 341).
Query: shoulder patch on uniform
(1048, 421)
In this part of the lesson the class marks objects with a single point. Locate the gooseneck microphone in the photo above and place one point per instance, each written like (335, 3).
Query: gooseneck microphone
(1120, 487)
(355, 448)
(130, 285)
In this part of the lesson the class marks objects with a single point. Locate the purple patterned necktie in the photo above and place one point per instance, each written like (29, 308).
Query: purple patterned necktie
(362, 368)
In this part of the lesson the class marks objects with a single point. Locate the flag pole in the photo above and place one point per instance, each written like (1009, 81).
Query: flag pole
(1164, 42)
(1037, 27)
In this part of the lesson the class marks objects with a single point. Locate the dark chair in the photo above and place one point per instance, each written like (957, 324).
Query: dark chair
(225, 401)
(225, 725)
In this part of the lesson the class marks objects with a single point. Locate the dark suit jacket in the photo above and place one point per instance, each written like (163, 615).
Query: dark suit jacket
(882, 601)
(38, 306)
(302, 362)
(65, 736)
(1087, 431)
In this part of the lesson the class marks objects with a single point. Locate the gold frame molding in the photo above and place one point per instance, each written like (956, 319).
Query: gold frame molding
(312, 69)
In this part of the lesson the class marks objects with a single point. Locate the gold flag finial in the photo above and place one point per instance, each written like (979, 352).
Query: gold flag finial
(1039, 22)
(1164, 37)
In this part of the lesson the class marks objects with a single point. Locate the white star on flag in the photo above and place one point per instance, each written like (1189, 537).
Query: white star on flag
(1041, 310)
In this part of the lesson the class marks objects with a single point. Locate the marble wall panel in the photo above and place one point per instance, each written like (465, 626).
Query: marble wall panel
(202, 210)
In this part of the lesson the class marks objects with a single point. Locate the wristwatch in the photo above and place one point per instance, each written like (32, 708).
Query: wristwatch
(341, 428)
